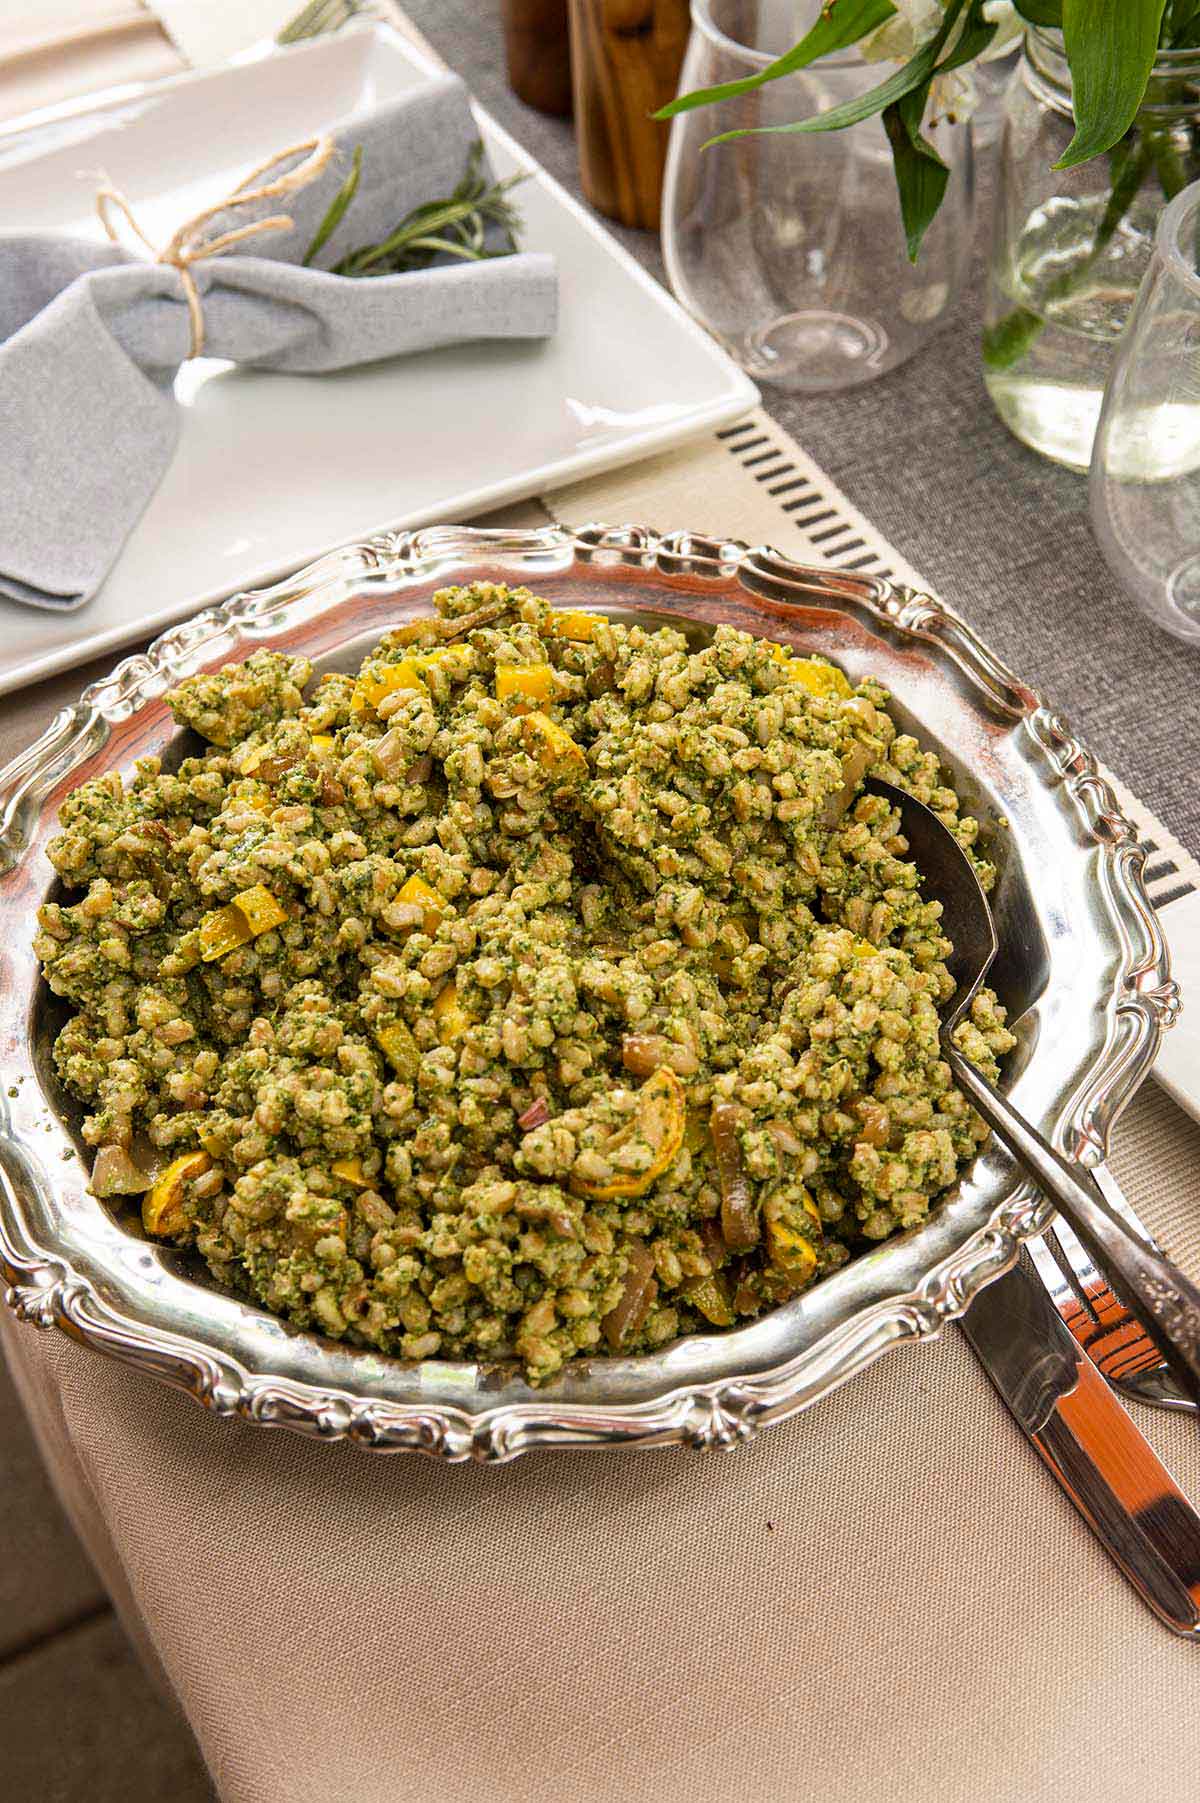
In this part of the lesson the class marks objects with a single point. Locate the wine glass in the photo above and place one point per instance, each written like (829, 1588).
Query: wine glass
(1145, 476)
(789, 248)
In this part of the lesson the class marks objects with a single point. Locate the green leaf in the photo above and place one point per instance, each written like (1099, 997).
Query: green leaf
(1111, 46)
(974, 39)
(337, 209)
(921, 175)
(1040, 12)
(843, 23)
(915, 74)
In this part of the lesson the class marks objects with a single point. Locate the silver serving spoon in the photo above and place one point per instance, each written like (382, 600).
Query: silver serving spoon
(1165, 1301)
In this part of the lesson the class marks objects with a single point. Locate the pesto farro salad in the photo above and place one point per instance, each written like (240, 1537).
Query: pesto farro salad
(546, 988)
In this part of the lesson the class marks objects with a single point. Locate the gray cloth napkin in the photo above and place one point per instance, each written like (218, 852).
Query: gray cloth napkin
(91, 337)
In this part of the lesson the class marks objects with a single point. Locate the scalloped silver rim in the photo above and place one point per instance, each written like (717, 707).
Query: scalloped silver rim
(46, 1290)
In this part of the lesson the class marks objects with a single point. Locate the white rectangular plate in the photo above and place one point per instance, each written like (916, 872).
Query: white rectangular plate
(271, 470)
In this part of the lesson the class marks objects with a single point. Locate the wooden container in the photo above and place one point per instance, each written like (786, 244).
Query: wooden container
(538, 48)
(625, 61)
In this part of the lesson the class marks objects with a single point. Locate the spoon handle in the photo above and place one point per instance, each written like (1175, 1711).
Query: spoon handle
(1165, 1301)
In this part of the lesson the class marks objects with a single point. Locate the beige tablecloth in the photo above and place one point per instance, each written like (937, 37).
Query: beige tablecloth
(884, 1599)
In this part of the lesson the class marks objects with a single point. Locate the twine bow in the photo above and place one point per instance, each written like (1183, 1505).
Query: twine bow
(189, 245)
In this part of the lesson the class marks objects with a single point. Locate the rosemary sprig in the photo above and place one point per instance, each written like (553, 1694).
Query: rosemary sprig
(457, 226)
(333, 217)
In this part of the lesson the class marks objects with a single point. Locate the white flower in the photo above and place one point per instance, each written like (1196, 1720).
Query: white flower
(915, 22)
(952, 97)
(1005, 17)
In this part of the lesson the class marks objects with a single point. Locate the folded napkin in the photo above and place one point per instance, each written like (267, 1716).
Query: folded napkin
(91, 334)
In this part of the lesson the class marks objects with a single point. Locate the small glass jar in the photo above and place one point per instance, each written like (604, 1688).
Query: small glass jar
(1071, 245)
(789, 248)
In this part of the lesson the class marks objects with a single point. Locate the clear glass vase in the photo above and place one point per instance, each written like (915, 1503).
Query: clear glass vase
(790, 249)
(1145, 483)
(1070, 246)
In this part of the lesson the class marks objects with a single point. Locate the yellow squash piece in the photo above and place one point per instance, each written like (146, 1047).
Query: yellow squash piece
(162, 1207)
(222, 932)
(863, 948)
(399, 1048)
(452, 1021)
(253, 795)
(711, 1296)
(660, 1121)
(371, 687)
(323, 743)
(417, 893)
(259, 909)
(577, 626)
(553, 747)
(408, 673)
(789, 1249)
(525, 682)
(350, 1170)
(250, 913)
(819, 679)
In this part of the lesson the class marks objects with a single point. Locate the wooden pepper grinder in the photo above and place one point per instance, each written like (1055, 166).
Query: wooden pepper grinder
(625, 62)
(538, 48)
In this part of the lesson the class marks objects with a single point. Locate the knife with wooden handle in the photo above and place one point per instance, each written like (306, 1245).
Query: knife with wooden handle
(1105, 1465)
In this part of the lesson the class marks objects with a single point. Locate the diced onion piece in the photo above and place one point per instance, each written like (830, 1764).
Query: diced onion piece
(259, 909)
(660, 1120)
(739, 1218)
(854, 768)
(818, 678)
(553, 747)
(350, 1170)
(574, 625)
(696, 1135)
(536, 1115)
(399, 1048)
(452, 1021)
(222, 932)
(392, 754)
(525, 682)
(268, 766)
(417, 893)
(711, 1296)
(162, 1209)
(115, 1174)
(627, 1316)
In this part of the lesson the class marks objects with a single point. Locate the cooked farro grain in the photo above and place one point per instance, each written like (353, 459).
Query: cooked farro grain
(547, 988)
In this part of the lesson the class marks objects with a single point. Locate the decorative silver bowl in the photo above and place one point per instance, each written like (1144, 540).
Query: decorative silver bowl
(1083, 970)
